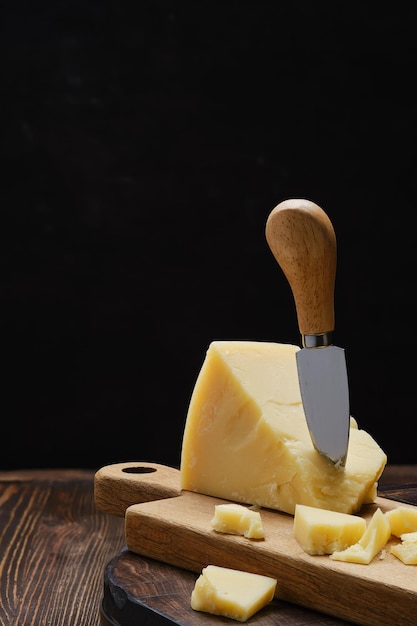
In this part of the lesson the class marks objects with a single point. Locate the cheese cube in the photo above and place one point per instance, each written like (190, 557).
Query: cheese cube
(319, 531)
(402, 520)
(372, 541)
(231, 593)
(246, 438)
(237, 519)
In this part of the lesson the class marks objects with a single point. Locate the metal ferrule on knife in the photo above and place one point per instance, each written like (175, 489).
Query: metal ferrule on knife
(321, 340)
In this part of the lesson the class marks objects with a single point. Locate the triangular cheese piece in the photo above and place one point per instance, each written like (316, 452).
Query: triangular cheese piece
(246, 437)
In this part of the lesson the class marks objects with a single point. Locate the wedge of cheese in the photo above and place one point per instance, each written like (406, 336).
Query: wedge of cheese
(319, 531)
(246, 437)
(231, 593)
(236, 519)
(372, 541)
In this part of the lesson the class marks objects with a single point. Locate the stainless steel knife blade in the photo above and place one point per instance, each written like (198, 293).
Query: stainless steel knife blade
(302, 240)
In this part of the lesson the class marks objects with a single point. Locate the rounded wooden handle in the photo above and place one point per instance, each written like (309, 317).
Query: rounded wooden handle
(303, 241)
(118, 486)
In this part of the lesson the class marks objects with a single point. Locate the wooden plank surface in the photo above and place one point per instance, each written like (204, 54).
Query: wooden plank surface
(177, 531)
(54, 547)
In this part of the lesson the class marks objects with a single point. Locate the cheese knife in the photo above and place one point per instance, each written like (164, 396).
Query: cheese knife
(302, 240)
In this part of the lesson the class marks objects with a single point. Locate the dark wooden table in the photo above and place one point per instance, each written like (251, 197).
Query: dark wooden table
(55, 546)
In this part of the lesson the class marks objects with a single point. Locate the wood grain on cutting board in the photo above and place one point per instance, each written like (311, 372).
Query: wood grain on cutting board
(177, 530)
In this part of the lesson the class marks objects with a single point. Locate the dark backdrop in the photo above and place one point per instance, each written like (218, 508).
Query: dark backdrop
(143, 146)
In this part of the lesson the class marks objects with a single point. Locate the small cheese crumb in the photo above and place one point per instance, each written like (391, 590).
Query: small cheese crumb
(237, 519)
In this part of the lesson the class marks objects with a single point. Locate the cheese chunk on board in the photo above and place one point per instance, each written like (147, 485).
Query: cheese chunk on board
(231, 593)
(246, 438)
(406, 551)
(373, 540)
(402, 520)
(237, 519)
(319, 531)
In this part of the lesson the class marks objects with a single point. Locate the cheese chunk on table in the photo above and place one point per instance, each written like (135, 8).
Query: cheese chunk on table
(237, 519)
(231, 593)
(246, 438)
(319, 531)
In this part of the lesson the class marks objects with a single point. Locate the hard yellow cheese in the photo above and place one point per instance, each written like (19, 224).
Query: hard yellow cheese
(406, 551)
(246, 437)
(372, 541)
(231, 593)
(237, 519)
(323, 532)
(402, 520)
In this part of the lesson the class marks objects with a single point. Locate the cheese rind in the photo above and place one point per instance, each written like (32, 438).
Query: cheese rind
(246, 438)
(237, 519)
(319, 531)
(231, 593)
(372, 541)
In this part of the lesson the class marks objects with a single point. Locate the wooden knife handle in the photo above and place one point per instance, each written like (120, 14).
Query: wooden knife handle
(303, 241)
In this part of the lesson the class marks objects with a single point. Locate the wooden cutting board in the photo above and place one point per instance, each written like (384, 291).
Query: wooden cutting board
(138, 590)
(173, 527)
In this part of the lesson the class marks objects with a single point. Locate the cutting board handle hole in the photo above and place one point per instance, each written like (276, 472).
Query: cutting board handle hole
(139, 470)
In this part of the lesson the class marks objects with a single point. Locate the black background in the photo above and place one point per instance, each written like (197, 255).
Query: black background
(143, 146)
